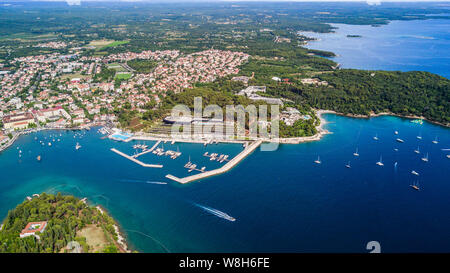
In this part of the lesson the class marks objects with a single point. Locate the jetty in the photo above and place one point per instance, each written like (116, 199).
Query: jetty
(147, 151)
(135, 160)
(228, 166)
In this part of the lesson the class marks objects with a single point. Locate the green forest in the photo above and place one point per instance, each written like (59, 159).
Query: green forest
(65, 215)
(364, 92)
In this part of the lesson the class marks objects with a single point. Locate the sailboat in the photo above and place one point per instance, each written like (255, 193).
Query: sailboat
(419, 137)
(425, 159)
(415, 173)
(348, 165)
(356, 152)
(435, 141)
(318, 160)
(380, 163)
(415, 186)
(188, 164)
(375, 137)
(417, 151)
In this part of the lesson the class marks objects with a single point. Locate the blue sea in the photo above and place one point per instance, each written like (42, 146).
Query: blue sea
(282, 200)
(417, 45)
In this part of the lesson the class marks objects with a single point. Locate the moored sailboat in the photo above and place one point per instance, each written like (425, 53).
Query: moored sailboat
(380, 163)
(318, 160)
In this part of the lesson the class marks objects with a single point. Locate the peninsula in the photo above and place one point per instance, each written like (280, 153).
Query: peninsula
(47, 223)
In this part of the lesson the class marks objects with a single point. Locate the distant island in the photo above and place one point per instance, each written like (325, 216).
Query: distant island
(48, 223)
(354, 36)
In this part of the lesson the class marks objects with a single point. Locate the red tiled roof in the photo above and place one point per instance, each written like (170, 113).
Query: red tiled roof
(28, 228)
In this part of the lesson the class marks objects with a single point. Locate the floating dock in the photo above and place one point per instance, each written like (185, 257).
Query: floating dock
(147, 151)
(135, 160)
(228, 166)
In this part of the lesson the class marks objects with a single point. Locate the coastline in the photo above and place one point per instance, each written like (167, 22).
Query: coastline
(294, 140)
(374, 115)
(321, 131)
(20, 133)
(121, 241)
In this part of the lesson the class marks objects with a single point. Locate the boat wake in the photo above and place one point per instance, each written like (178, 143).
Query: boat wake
(157, 182)
(146, 235)
(143, 181)
(217, 213)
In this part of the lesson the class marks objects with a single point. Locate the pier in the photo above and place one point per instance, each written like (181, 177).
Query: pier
(147, 151)
(216, 157)
(135, 160)
(228, 166)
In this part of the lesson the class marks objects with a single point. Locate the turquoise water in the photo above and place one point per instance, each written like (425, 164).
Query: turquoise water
(401, 45)
(282, 200)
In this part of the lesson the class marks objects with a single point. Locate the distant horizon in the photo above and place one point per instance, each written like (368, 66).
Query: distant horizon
(305, 1)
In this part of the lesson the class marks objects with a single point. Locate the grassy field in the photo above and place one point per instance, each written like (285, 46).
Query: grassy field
(122, 76)
(95, 237)
(102, 44)
(27, 37)
(117, 67)
(115, 43)
(74, 75)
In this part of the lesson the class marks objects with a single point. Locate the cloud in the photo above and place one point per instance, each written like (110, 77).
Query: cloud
(373, 2)
(73, 2)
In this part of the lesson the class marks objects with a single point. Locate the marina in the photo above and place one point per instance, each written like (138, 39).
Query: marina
(152, 193)
(216, 157)
(229, 165)
(146, 151)
(135, 160)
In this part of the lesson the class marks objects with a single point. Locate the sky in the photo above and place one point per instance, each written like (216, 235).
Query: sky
(238, 0)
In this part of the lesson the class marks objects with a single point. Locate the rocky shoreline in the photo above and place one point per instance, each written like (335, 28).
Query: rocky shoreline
(372, 115)
(122, 243)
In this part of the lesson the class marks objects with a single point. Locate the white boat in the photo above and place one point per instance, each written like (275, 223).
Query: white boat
(380, 163)
(49, 144)
(425, 159)
(217, 213)
(417, 151)
(78, 146)
(318, 160)
(396, 132)
(400, 140)
(448, 156)
(415, 186)
(375, 137)
(435, 141)
(415, 173)
(356, 152)
(348, 165)
(419, 137)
